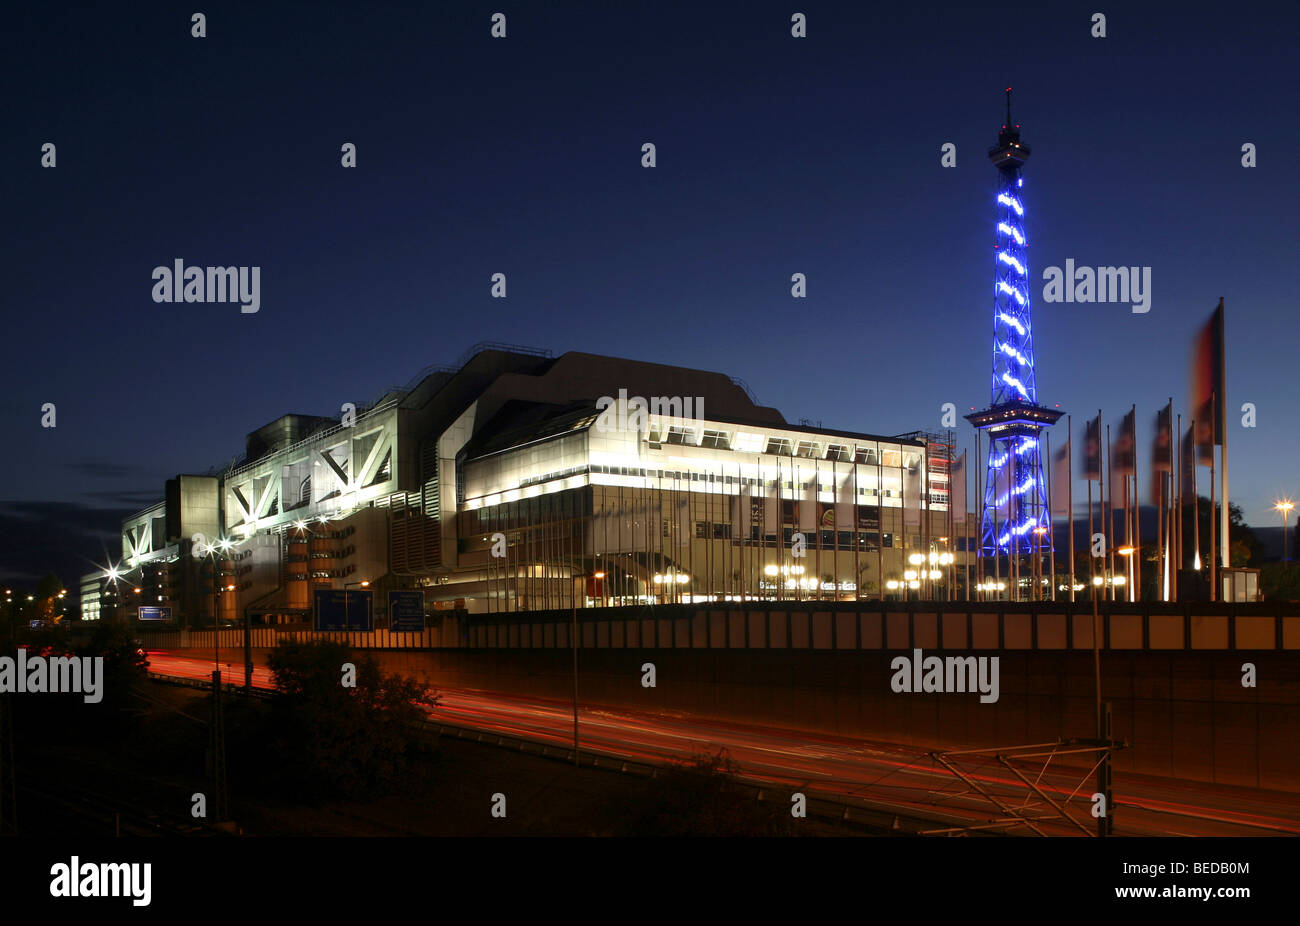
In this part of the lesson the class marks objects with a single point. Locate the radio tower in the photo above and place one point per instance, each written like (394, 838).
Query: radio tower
(1015, 520)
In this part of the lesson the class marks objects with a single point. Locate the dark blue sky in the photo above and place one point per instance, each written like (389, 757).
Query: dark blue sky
(522, 155)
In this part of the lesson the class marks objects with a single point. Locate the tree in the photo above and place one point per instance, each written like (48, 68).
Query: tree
(1280, 581)
(1244, 548)
(354, 741)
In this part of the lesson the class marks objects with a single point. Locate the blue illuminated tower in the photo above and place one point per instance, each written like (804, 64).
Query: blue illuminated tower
(1015, 496)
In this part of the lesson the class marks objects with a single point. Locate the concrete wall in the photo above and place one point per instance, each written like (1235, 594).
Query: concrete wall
(1174, 680)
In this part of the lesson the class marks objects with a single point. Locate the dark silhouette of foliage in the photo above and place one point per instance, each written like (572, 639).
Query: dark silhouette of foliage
(332, 741)
(703, 798)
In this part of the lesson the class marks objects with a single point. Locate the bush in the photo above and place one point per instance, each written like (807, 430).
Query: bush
(331, 741)
(702, 798)
(1280, 581)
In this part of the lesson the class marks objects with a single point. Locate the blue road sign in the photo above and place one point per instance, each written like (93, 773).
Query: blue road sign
(152, 613)
(343, 609)
(406, 611)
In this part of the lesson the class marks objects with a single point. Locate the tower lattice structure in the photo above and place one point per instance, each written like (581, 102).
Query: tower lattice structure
(1015, 519)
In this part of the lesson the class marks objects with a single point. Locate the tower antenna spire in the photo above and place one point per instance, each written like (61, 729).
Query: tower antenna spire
(1008, 107)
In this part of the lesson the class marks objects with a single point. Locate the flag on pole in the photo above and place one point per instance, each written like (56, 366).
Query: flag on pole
(1126, 445)
(911, 490)
(1060, 501)
(1092, 449)
(1208, 381)
(1188, 467)
(1162, 451)
(1123, 463)
(957, 491)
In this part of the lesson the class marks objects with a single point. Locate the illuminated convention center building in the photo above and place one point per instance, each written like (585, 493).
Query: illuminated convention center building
(522, 481)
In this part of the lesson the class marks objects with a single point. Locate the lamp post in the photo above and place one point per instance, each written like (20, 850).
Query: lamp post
(1284, 506)
(347, 621)
(573, 639)
(217, 744)
(1039, 533)
(223, 545)
(1103, 769)
(1131, 562)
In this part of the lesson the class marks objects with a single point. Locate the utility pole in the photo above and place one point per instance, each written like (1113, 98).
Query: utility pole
(220, 808)
(1105, 776)
(1105, 780)
(217, 726)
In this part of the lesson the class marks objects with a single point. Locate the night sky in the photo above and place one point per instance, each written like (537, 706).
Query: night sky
(522, 155)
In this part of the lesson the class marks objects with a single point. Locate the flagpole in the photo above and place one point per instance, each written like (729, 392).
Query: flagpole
(1108, 516)
(950, 576)
(1135, 556)
(1224, 515)
(1091, 528)
(977, 529)
(1069, 491)
(1176, 489)
(1214, 558)
(1162, 571)
(1051, 520)
(880, 522)
(857, 526)
(1013, 559)
(1196, 508)
(902, 508)
(1092, 560)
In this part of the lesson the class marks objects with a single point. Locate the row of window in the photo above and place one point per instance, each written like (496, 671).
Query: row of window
(721, 479)
(779, 446)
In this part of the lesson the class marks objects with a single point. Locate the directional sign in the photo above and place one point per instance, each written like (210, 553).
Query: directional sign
(152, 613)
(343, 609)
(406, 611)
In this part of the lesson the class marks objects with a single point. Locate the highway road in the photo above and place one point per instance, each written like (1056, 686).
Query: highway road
(886, 777)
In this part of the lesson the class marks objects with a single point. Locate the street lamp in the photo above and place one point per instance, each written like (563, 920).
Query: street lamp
(210, 550)
(364, 583)
(1284, 506)
(573, 639)
(1131, 563)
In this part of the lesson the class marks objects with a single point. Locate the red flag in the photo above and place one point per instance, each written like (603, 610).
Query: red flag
(1208, 385)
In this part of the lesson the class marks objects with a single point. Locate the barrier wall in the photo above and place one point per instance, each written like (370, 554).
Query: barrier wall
(1173, 676)
(826, 626)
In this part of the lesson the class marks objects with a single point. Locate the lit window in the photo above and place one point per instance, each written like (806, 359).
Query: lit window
(747, 443)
